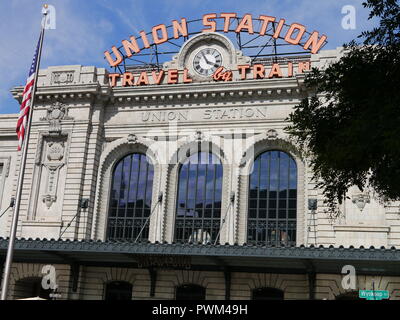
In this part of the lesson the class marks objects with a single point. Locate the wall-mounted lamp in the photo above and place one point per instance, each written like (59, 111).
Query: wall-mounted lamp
(312, 204)
(12, 202)
(84, 203)
(160, 197)
(232, 197)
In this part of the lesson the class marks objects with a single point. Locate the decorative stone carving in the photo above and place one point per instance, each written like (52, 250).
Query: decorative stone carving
(199, 136)
(55, 113)
(241, 59)
(272, 134)
(132, 138)
(49, 200)
(360, 200)
(54, 157)
(56, 151)
(62, 77)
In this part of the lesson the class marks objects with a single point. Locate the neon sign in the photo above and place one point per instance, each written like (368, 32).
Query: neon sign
(295, 34)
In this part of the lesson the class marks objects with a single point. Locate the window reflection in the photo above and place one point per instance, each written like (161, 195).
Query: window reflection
(198, 208)
(272, 200)
(131, 193)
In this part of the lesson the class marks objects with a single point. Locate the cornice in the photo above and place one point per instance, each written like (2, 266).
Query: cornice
(77, 92)
(245, 89)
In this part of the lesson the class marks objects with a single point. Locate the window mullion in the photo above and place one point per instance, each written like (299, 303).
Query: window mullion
(195, 197)
(136, 195)
(269, 188)
(258, 199)
(127, 197)
(287, 200)
(186, 201)
(278, 198)
(204, 195)
(145, 195)
(213, 202)
(119, 199)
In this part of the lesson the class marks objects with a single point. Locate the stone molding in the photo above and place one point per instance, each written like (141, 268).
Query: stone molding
(6, 162)
(49, 172)
(171, 182)
(113, 152)
(361, 228)
(264, 143)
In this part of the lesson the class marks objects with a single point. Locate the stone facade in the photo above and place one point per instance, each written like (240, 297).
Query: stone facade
(81, 127)
(92, 283)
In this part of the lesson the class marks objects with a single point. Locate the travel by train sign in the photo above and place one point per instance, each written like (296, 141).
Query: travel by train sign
(267, 28)
(175, 76)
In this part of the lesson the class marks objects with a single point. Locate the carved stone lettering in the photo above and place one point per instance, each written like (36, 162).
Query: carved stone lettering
(207, 114)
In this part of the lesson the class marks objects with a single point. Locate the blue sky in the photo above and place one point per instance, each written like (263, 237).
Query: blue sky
(84, 29)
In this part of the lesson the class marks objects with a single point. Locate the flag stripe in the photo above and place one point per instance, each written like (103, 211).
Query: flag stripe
(26, 99)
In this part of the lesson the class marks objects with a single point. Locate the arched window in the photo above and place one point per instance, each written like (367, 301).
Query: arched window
(272, 200)
(198, 207)
(190, 292)
(30, 288)
(267, 294)
(130, 202)
(118, 290)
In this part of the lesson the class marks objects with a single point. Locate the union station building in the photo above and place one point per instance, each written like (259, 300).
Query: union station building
(177, 180)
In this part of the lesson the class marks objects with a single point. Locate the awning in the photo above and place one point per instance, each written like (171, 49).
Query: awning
(235, 258)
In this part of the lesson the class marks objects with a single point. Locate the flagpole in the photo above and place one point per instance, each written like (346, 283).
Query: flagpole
(14, 225)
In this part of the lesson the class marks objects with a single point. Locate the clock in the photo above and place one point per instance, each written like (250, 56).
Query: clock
(203, 54)
(206, 61)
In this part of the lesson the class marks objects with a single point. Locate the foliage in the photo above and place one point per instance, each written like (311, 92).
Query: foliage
(350, 123)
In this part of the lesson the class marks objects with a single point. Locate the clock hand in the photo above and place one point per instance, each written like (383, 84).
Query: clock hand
(204, 56)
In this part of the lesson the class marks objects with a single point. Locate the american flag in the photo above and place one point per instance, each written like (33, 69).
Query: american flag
(26, 99)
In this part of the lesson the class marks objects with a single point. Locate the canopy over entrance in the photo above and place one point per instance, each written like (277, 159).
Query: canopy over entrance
(288, 260)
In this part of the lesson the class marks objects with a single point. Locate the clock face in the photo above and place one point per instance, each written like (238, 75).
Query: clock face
(206, 61)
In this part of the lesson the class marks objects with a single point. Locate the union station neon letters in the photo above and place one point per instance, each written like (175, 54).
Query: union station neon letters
(159, 34)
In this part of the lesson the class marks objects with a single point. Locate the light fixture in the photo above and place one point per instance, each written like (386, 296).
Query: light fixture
(84, 203)
(312, 204)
